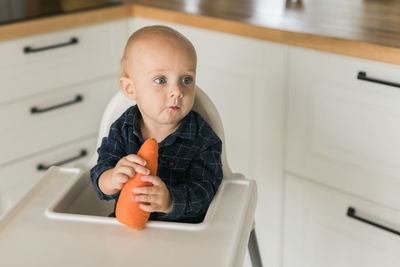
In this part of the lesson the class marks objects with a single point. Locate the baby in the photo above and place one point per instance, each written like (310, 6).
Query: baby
(158, 71)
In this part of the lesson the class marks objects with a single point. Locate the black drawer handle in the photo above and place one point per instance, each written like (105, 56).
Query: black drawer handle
(362, 75)
(351, 212)
(29, 49)
(42, 167)
(77, 99)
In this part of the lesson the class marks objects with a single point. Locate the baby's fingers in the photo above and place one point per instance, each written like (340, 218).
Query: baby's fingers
(144, 198)
(127, 170)
(148, 207)
(141, 169)
(155, 180)
(137, 163)
(148, 190)
(130, 168)
(119, 180)
(134, 166)
(136, 159)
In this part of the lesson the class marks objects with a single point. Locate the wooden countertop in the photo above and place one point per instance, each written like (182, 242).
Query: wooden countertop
(368, 29)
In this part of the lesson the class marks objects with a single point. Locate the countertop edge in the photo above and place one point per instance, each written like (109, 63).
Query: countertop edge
(352, 48)
(62, 22)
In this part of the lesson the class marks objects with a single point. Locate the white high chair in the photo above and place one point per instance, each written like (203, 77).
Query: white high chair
(61, 222)
(206, 108)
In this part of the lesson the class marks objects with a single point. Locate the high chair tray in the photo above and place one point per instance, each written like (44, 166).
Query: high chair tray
(61, 223)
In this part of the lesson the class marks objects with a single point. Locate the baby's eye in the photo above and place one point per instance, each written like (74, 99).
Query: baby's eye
(160, 80)
(187, 80)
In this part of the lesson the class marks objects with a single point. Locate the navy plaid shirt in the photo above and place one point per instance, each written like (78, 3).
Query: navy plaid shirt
(189, 163)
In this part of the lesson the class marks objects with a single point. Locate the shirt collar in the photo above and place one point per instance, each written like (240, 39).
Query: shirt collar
(186, 130)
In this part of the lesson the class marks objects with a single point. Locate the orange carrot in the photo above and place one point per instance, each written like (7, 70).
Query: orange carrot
(128, 211)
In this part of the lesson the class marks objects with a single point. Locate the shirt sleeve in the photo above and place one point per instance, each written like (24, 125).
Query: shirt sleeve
(111, 150)
(204, 176)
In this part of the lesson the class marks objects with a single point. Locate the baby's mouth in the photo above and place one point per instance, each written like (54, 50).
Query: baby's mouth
(174, 107)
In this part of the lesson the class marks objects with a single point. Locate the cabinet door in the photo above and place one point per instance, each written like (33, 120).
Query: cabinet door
(61, 116)
(245, 79)
(317, 231)
(60, 59)
(19, 177)
(343, 131)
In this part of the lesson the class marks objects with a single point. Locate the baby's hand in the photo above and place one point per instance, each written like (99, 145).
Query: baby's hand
(126, 168)
(112, 180)
(157, 197)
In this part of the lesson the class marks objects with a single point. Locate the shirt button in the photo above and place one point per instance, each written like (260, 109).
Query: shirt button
(171, 164)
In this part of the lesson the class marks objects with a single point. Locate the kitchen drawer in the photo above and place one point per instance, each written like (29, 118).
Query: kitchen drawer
(23, 133)
(342, 131)
(18, 178)
(96, 53)
(318, 232)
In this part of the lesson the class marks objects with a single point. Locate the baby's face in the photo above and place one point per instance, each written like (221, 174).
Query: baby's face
(163, 78)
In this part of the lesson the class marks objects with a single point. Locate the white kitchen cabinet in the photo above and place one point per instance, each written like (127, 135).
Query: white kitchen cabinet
(26, 132)
(95, 53)
(342, 151)
(318, 231)
(342, 131)
(52, 97)
(19, 177)
(245, 78)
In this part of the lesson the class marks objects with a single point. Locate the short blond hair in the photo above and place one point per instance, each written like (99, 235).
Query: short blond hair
(159, 30)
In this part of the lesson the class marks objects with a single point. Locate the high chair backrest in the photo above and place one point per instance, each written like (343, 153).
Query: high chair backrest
(202, 104)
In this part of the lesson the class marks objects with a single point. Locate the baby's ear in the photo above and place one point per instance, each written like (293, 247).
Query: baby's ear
(127, 87)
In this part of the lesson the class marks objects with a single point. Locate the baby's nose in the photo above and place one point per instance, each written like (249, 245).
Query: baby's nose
(176, 91)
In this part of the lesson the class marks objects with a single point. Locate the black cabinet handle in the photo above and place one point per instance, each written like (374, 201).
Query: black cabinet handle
(351, 212)
(78, 98)
(42, 167)
(362, 75)
(29, 49)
